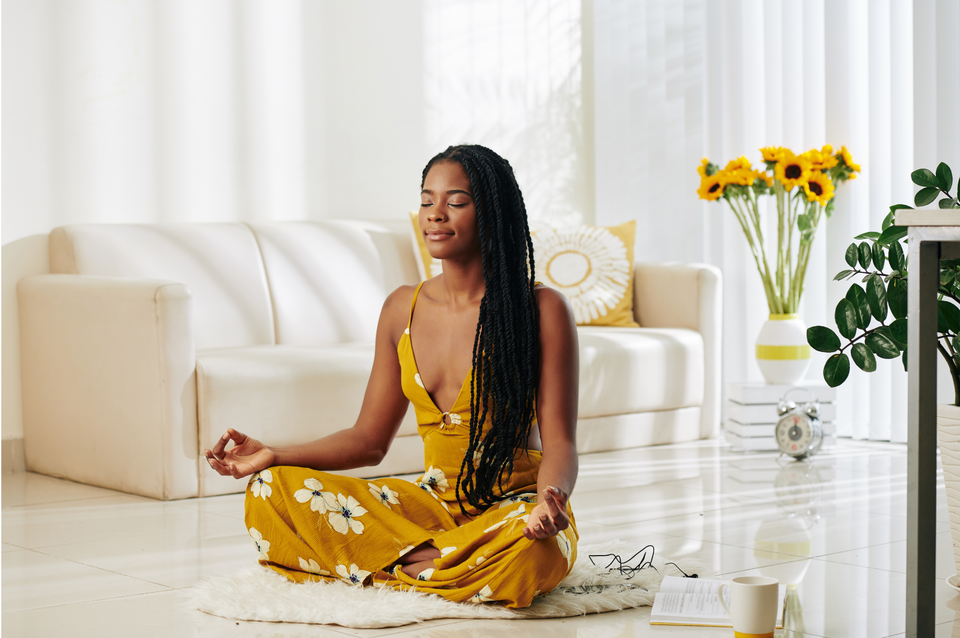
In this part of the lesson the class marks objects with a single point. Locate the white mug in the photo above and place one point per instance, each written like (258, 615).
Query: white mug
(754, 603)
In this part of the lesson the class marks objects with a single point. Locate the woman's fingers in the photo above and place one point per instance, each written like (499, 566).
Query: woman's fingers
(220, 467)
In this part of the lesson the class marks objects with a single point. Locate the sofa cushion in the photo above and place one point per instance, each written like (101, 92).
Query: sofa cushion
(281, 395)
(624, 370)
(220, 263)
(329, 279)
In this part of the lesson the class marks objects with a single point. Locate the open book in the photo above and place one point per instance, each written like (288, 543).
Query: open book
(694, 601)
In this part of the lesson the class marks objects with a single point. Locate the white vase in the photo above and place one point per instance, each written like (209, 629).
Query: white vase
(948, 434)
(782, 350)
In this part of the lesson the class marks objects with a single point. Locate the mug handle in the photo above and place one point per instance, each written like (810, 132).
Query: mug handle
(722, 601)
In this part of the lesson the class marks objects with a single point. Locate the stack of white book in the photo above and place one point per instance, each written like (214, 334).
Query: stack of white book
(751, 412)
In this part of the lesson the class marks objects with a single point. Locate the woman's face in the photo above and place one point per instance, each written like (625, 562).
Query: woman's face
(448, 216)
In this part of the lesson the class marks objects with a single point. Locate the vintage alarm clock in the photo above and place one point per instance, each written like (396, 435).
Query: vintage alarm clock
(799, 431)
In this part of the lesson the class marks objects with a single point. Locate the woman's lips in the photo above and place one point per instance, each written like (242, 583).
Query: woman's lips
(437, 235)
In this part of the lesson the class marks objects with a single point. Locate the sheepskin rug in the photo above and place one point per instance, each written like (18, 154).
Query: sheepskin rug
(260, 594)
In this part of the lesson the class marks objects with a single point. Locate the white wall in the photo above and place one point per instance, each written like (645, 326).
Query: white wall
(149, 111)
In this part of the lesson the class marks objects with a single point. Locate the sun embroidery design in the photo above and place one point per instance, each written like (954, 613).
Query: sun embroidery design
(344, 515)
(353, 575)
(384, 494)
(588, 265)
(319, 501)
(258, 484)
(263, 546)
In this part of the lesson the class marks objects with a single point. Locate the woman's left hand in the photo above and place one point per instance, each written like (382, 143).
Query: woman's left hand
(549, 516)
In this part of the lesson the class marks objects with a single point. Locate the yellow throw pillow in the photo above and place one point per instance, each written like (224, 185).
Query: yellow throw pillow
(427, 266)
(593, 267)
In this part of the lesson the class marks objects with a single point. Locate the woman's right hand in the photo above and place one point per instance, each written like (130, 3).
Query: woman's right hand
(247, 455)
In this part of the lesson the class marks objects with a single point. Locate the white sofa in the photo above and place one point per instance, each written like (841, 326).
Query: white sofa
(148, 341)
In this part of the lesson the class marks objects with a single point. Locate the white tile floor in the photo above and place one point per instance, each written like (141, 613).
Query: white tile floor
(84, 561)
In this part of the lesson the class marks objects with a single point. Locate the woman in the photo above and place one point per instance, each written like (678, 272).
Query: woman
(489, 519)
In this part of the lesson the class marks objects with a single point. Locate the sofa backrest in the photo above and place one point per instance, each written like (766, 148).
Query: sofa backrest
(329, 279)
(294, 283)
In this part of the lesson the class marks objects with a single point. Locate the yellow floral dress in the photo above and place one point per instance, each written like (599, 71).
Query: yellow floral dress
(312, 525)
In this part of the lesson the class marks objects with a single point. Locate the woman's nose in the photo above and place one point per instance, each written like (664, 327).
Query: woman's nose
(437, 213)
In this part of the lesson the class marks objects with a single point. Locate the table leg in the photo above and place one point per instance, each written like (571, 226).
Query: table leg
(922, 437)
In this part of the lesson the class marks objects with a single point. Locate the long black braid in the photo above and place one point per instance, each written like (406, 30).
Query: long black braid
(506, 348)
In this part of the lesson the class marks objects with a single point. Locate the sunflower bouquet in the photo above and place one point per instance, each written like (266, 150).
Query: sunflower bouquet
(803, 188)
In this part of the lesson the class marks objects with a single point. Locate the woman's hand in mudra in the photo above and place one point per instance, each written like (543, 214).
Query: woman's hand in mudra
(247, 455)
(549, 517)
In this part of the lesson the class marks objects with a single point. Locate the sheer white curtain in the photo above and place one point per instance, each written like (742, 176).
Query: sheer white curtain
(677, 81)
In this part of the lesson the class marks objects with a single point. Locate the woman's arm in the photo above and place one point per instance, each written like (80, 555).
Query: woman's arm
(557, 398)
(366, 443)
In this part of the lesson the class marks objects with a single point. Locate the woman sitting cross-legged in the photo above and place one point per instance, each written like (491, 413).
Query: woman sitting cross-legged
(489, 359)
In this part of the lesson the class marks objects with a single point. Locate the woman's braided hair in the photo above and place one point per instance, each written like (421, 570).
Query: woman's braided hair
(506, 348)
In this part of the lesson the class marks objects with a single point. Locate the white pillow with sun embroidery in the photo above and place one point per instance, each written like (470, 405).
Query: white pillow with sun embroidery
(593, 267)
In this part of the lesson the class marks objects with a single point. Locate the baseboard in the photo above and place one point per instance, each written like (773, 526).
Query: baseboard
(12, 459)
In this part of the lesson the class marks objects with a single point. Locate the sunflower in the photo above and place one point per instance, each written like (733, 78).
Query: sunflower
(741, 162)
(738, 176)
(818, 188)
(774, 154)
(766, 178)
(848, 160)
(711, 187)
(792, 170)
(821, 160)
(702, 169)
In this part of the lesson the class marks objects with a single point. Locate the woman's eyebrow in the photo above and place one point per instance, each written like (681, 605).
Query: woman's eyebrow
(427, 191)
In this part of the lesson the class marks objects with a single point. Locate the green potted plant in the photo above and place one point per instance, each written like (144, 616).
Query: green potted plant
(872, 318)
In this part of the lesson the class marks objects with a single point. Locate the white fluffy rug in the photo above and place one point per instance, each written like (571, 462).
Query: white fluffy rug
(263, 595)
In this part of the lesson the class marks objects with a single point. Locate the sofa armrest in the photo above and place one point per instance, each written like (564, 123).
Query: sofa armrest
(109, 386)
(690, 296)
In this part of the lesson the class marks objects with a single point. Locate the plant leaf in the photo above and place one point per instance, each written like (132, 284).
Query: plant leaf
(846, 318)
(868, 235)
(882, 345)
(851, 255)
(864, 253)
(823, 339)
(947, 202)
(877, 297)
(948, 317)
(842, 274)
(925, 196)
(895, 256)
(956, 343)
(898, 329)
(897, 297)
(836, 370)
(904, 359)
(863, 357)
(858, 298)
(878, 257)
(894, 233)
(924, 177)
(944, 177)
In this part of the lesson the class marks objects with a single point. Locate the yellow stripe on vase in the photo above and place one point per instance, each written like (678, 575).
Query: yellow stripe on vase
(783, 353)
(784, 317)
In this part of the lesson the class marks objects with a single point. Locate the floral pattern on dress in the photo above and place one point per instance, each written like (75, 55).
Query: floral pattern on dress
(520, 514)
(320, 502)
(353, 574)
(447, 550)
(263, 546)
(345, 513)
(435, 478)
(384, 494)
(313, 567)
(529, 498)
(258, 484)
(426, 574)
(483, 595)
(429, 490)
(564, 544)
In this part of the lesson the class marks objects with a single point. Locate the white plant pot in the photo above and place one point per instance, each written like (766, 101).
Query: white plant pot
(948, 433)
(783, 353)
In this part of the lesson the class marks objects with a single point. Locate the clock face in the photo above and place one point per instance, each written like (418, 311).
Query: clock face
(794, 434)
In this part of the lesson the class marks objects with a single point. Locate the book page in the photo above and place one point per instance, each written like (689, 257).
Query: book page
(694, 601)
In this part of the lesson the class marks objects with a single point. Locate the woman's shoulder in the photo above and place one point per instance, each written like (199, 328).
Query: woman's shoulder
(553, 304)
(396, 308)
